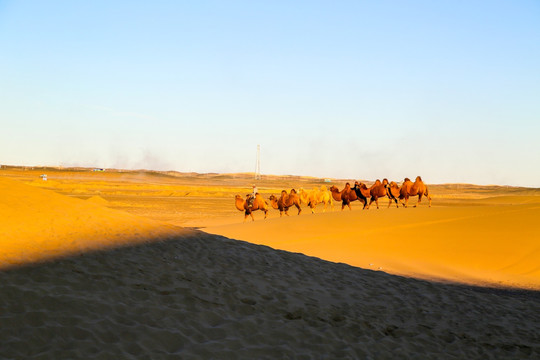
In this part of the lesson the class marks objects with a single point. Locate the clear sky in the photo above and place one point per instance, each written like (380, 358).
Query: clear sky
(449, 90)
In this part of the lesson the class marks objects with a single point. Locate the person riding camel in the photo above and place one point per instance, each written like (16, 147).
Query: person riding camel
(251, 197)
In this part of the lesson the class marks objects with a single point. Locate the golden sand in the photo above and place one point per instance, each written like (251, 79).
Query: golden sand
(472, 234)
(494, 244)
(40, 224)
(136, 285)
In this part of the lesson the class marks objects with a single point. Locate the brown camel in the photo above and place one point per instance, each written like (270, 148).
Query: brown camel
(392, 191)
(336, 194)
(345, 196)
(418, 188)
(362, 192)
(285, 202)
(258, 204)
(378, 190)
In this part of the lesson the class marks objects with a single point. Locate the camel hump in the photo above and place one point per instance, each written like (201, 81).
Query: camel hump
(418, 178)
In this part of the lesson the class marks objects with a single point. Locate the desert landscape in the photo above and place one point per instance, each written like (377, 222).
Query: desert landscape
(270, 180)
(107, 263)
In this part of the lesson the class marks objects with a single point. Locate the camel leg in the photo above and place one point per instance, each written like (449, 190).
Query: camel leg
(419, 200)
(299, 209)
(373, 198)
(428, 197)
(406, 201)
(265, 213)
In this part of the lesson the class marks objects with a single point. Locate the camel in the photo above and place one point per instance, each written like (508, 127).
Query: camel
(362, 192)
(325, 197)
(315, 197)
(336, 194)
(345, 196)
(392, 191)
(285, 202)
(258, 204)
(408, 188)
(306, 196)
(378, 190)
(309, 198)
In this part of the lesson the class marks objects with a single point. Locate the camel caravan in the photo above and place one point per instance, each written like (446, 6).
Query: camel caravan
(360, 191)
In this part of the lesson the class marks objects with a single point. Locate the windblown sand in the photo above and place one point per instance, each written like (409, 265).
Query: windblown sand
(135, 287)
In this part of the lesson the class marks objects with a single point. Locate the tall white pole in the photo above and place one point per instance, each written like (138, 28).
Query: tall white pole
(258, 165)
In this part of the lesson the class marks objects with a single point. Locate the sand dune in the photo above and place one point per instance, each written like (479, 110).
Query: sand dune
(485, 244)
(204, 296)
(39, 224)
(133, 287)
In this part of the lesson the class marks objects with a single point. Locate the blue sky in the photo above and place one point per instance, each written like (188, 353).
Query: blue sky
(449, 90)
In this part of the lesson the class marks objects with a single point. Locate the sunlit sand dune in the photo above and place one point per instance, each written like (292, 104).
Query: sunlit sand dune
(489, 245)
(139, 288)
(39, 224)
